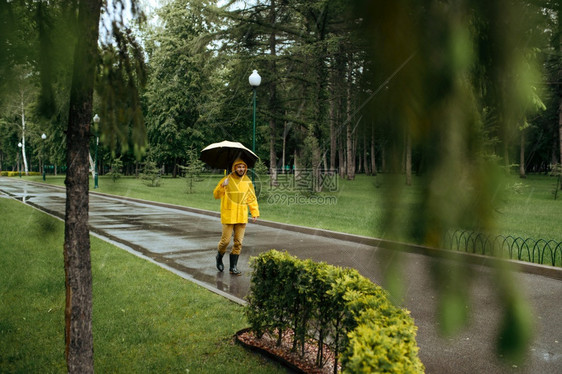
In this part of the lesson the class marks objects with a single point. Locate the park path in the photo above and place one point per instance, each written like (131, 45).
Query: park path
(183, 240)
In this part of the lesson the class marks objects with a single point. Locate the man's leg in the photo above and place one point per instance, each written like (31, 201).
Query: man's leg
(223, 243)
(239, 230)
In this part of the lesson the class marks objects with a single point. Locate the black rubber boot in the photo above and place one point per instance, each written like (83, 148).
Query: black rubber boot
(220, 265)
(233, 263)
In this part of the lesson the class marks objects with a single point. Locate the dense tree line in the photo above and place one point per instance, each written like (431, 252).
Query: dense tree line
(326, 89)
(338, 80)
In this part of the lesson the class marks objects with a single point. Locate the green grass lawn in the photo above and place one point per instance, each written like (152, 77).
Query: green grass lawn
(145, 319)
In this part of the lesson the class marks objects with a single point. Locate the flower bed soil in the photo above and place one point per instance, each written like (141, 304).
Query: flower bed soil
(267, 345)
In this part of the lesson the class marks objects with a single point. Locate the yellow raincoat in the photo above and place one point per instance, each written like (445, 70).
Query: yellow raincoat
(236, 197)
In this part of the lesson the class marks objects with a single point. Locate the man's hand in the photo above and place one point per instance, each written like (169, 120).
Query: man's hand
(225, 183)
(254, 219)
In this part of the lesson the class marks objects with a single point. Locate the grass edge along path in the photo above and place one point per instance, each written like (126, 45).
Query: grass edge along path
(145, 318)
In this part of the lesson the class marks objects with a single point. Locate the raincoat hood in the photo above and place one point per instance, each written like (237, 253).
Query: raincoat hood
(238, 162)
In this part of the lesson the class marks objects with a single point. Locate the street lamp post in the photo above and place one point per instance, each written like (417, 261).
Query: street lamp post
(255, 81)
(44, 137)
(96, 121)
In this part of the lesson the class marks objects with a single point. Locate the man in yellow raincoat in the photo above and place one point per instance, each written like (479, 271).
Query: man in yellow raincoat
(236, 192)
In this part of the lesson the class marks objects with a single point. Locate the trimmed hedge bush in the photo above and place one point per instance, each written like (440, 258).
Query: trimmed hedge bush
(5, 173)
(337, 308)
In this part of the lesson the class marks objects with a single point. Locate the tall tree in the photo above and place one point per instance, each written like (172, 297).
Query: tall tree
(78, 271)
(19, 104)
(559, 45)
(180, 81)
(36, 28)
(273, 96)
(79, 339)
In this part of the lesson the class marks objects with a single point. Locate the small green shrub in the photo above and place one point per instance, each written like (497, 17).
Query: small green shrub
(193, 169)
(517, 187)
(17, 173)
(151, 174)
(334, 306)
(115, 171)
(383, 341)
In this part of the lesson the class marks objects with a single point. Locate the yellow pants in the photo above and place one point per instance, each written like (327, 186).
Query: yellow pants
(239, 229)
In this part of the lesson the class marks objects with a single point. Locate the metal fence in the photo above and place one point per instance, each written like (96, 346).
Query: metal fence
(541, 251)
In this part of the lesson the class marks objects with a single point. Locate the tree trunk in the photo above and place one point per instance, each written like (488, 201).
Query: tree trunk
(365, 156)
(560, 128)
(350, 162)
(79, 351)
(23, 136)
(383, 158)
(522, 156)
(359, 167)
(354, 154)
(349, 156)
(373, 159)
(92, 166)
(273, 97)
(333, 132)
(560, 85)
(283, 157)
(342, 162)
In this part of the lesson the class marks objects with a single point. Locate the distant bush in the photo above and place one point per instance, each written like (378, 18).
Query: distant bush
(17, 173)
(337, 308)
(193, 169)
(115, 171)
(151, 174)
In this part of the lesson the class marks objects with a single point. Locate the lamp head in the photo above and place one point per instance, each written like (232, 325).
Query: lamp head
(255, 79)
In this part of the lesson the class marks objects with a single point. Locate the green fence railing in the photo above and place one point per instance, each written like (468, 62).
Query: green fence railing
(538, 251)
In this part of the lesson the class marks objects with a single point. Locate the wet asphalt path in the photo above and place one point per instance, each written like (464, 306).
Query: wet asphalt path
(184, 241)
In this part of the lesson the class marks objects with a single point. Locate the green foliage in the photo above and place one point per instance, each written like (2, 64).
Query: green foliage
(151, 174)
(180, 84)
(517, 187)
(120, 78)
(334, 306)
(193, 169)
(383, 345)
(115, 171)
(260, 172)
